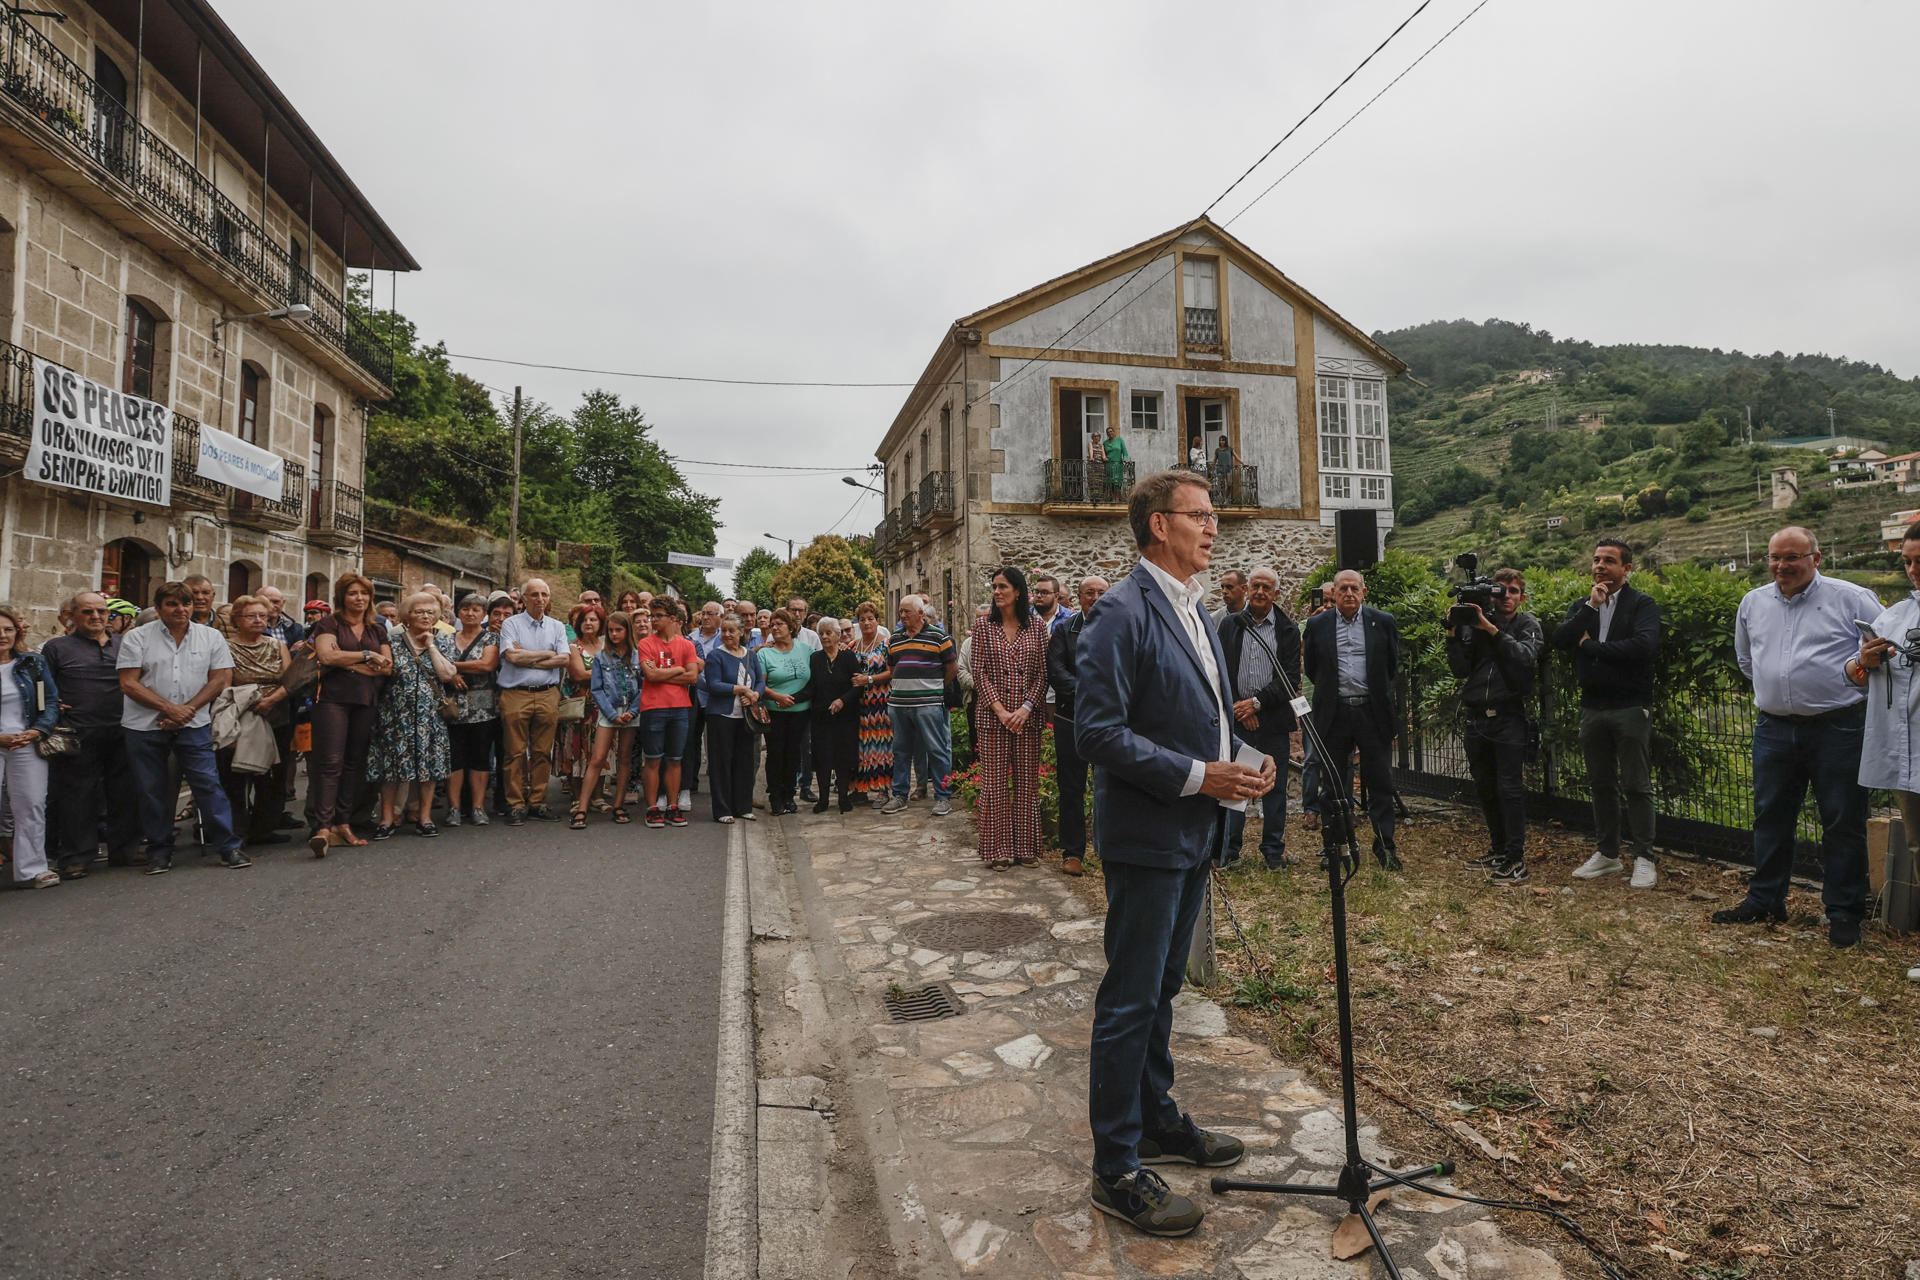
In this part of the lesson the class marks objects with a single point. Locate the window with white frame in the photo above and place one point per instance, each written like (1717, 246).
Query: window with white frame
(1093, 408)
(1200, 294)
(1336, 441)
(1336, 486)
(1373, 489)
(1370, 424)
(1353, 427)
(1146, 411)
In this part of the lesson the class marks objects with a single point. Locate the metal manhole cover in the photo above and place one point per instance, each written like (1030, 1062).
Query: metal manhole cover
(975, 930)
(922, 1004)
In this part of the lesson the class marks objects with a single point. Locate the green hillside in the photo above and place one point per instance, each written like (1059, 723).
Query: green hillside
(1503, 427)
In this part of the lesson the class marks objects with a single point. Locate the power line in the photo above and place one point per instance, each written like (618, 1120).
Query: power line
(671, 377)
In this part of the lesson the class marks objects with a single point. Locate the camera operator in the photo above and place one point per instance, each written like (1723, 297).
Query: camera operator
(1499, 657)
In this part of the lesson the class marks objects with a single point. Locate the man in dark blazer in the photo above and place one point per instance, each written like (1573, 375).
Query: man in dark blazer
(1262, 710)
(1352, 655)
(1061, 647)
(1153, 716)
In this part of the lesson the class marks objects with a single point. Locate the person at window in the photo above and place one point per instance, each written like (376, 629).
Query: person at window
(260, 660)
(171, 670)
(586, 636)
(533, 653)
(734, 687)
(1793, 638)
(614, 684)
(787, 668)
(1352, 655)
(1096, 459)
(410, 748)
(669, 668)
(474, 651)
(1196, 455)
(1114, 456)
(1613, 633)
(29, 708)
(353, 651)
(94, 782)
(1498, 661)
(836, 715)
(1071, 766)
(1252, 638)
(1009, 664)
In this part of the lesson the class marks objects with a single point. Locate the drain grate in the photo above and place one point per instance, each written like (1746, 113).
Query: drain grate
(975, 930)
(922, 1004)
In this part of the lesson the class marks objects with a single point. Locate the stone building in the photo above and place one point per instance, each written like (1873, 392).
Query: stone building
(990, 460)
(158, 194)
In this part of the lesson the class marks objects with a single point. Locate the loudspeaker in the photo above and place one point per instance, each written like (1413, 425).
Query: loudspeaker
(1356, 538)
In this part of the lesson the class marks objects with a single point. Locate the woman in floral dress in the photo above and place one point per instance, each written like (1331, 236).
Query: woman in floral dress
(575, 738)
(873, 772)
(409, 737)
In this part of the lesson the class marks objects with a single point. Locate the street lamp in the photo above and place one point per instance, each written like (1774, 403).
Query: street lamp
(856, 484)
(788, 541)
(298, 311)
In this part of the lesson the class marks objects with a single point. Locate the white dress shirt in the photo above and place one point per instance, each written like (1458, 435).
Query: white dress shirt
(1793, 648)
(1606, 612)
(173, 671)
(1185, 598)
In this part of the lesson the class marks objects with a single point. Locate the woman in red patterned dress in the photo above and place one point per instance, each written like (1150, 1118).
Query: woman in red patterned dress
(1010, 681)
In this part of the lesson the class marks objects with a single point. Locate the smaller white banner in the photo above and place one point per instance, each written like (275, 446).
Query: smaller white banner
(692, 561)
(232, 461)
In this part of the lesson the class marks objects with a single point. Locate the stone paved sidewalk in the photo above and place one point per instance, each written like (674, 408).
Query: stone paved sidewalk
(991, 1106)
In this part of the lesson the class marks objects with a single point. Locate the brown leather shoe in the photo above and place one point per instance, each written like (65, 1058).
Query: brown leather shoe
(1070, 865)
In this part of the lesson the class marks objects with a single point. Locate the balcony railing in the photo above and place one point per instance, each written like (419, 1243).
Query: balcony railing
(1072, 481)
(284, 512)
(936, 496)
(335, 512)
(1203, 326)
(74, 106)
(880, 538)
(1236, 487)
(16, 401)
(909, 518)
(190, 488)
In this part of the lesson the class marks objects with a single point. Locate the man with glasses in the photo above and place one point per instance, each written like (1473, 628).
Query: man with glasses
(1796, 638)
(1154, 717)
(1613, 634)
(1262, 708)
(1352, 654)
(92, 787)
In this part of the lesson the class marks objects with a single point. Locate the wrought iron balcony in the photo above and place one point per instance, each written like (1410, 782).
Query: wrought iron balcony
(191, 489)
(1072, 482)
(80, 112)
(909, 507)
(16, 402)
(284, 512)
(1203, 326)
(335, 513)
(880, 539)
(936, 497)
(1237, 487)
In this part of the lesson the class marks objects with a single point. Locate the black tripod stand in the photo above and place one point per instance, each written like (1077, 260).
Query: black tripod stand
(1359, 1178)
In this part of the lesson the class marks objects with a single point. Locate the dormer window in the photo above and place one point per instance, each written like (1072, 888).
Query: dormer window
(1200, 292)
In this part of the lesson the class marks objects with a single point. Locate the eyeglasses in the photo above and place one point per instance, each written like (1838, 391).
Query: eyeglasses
(1200, 517)
(1792, 558)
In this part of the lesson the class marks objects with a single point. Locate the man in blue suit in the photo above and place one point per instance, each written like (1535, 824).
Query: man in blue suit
(1154, 717)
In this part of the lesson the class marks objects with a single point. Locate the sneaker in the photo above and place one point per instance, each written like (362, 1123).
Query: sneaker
(48, 879)
(1751, 912)
(1388, 855)
(894, 804)
(516, 817)
(1275, 861)
(676, 818)
(1843, 931)
(1645, 875)
(1191, 1145)
(540, 813)
(159, 867)
(656, 818)
(1485, 862)
(1143, 1199)
(1596, 866)
(476, 817)
(942, 807)
(454, 818)
(686, 799)
(1510, 873)
(382, 832)
(426, 829)
(233, 860)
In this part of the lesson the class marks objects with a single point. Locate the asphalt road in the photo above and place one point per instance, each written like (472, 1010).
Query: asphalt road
(490, 1054)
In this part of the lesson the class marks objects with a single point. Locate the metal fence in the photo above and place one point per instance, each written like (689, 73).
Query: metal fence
(1702, 764)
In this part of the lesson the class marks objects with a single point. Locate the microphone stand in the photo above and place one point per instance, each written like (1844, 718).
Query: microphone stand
(1359, 1178)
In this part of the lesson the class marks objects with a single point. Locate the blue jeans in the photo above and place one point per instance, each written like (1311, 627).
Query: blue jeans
(1150, 917)
(1788, 757)
(147, 752)
(663, 733)
(921, 731)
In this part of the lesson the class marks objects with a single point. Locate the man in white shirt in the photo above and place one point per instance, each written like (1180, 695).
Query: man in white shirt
(170, 670)
(533, 652)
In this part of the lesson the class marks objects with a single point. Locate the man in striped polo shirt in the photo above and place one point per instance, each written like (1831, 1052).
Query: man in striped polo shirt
(920, 660)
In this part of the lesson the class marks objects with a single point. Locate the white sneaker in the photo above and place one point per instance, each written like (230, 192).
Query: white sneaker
(686, 800)
(1596, 866)
(1644, 875)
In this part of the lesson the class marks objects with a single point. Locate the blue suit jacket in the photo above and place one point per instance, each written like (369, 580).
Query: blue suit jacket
(1143, 714)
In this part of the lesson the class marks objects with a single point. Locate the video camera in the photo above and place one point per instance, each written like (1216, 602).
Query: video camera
(1475, 591)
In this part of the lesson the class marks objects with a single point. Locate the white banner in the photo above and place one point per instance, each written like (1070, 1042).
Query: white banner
(698, 562)
(88, 436)
(232, 461)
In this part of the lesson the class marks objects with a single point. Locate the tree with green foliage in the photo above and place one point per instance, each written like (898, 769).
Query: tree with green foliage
(831, 574)
(753, 575)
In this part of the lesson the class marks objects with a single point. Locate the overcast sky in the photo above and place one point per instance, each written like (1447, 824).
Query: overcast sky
(772, 190)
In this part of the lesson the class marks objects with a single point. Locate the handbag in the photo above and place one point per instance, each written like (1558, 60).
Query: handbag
(572, 708)
(58, 741)
(758, 718)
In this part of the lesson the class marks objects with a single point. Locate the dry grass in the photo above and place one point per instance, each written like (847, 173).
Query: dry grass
(1605, 1040)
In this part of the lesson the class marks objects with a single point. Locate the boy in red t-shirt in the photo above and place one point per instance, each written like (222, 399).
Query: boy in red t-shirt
(669, 667)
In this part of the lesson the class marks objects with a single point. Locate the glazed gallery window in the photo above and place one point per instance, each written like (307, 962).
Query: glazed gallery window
(1336, 486)
(1373, 489)
(1353, 424)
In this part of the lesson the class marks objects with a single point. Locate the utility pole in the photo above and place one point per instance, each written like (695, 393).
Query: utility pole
(1749, 409)
(1830, 420)
(513, 517)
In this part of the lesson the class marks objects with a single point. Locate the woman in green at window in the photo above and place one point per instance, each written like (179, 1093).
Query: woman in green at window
(1116, 463)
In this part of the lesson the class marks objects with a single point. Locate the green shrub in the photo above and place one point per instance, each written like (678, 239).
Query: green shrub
(1698, 515)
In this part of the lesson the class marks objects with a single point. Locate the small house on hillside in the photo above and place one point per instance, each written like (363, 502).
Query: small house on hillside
(993, 458)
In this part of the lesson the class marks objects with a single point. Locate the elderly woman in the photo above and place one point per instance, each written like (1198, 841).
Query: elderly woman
(474, 651)
(29, 708)
(787, 668)
(1010, 684)
(259, 658)
(410, 741)
(733, 684)
(352, 648)
(873, 771)
(836, 715)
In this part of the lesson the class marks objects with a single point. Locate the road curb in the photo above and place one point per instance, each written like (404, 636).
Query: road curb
(733, 1229)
